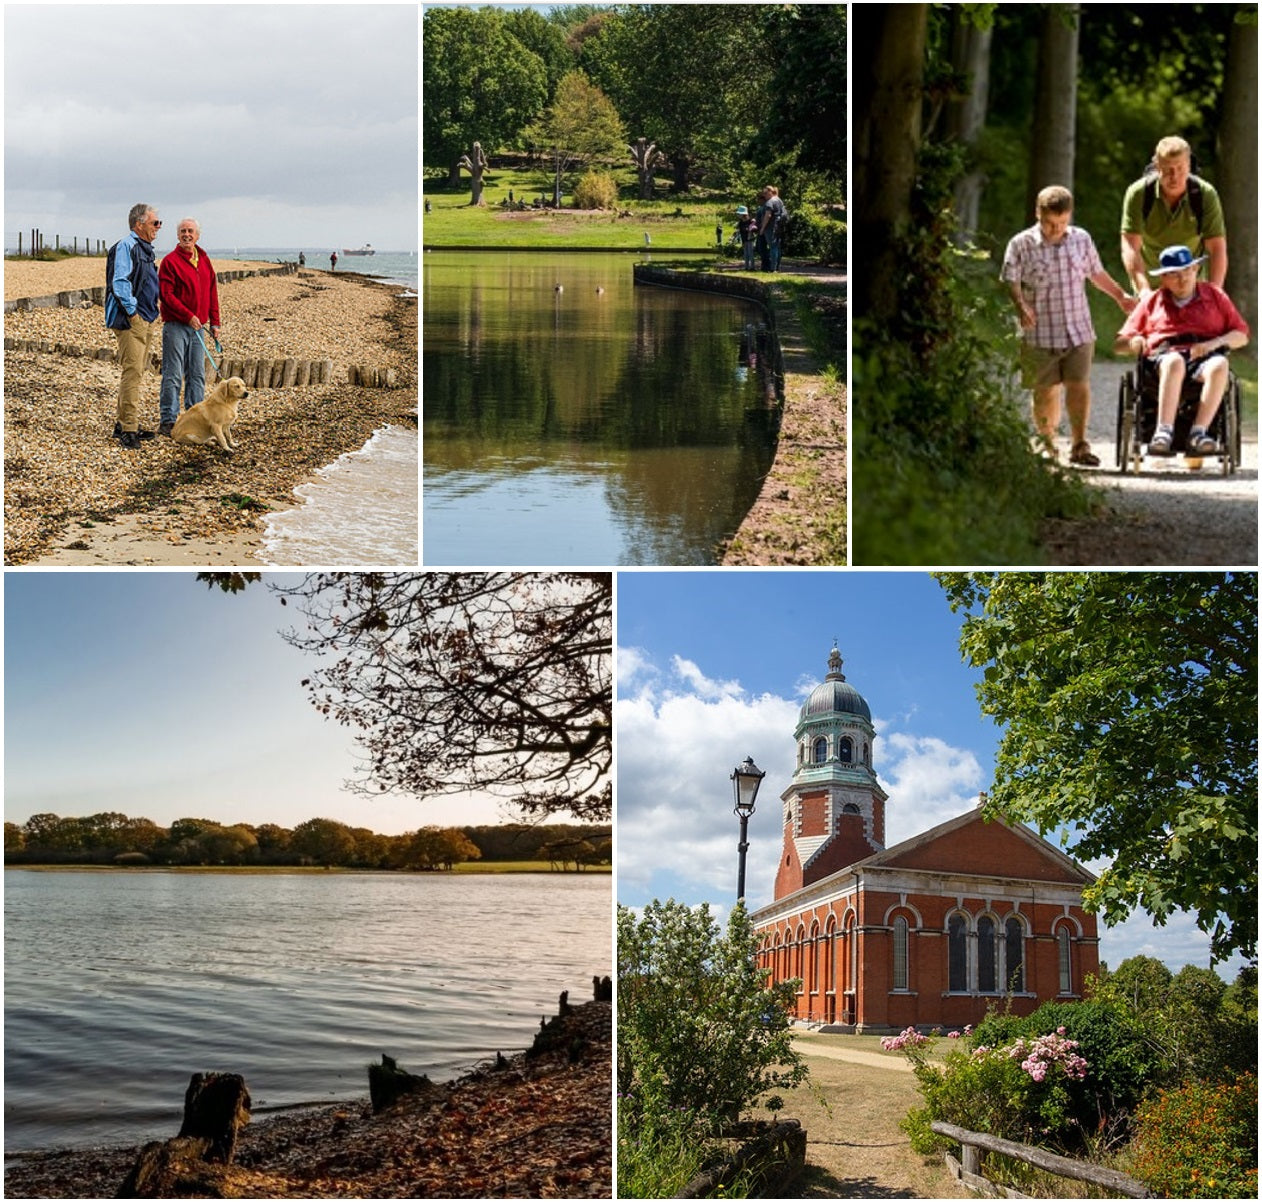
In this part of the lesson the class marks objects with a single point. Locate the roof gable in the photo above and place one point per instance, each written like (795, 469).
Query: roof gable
(971, 844)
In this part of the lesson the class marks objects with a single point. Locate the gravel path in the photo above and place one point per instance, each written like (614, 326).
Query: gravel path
(1165, 514)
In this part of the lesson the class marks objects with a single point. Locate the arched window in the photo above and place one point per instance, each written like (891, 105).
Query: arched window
(821, 750)
(986, 955)
(957, 954)
(1066, 966)
(847, 749)
(900, 953)
(1014, 956)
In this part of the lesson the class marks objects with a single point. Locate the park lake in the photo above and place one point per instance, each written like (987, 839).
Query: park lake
(597, 422)
(120, 985)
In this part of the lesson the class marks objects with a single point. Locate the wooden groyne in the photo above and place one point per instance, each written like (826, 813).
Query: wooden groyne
(82, 298)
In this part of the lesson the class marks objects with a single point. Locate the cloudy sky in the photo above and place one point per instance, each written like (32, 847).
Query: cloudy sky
(149, 694)
(286, 125)
(714, 667)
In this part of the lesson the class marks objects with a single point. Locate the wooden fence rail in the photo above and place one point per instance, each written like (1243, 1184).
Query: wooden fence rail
(1053, 1163)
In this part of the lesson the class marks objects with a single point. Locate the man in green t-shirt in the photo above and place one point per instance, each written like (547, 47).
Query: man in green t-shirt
(1169, 206)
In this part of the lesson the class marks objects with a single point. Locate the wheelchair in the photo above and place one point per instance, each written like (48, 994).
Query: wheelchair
(1137, 418)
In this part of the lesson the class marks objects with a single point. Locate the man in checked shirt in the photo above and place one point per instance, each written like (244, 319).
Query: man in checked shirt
(1044, 268)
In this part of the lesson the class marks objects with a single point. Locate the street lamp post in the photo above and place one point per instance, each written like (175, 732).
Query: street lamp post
(745, 779)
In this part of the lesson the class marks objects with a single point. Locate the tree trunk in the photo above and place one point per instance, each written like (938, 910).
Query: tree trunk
(681, 164)
(1238, 166)
(644, 153)
(1055, 103)
(888, 66)
(475, 164)
(970, 54)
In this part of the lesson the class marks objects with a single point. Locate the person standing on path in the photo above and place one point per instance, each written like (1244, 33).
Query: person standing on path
(769, 214)
(333, 261)
(189, 302)
(1044, 267)
(131, 308)
(1171, 206)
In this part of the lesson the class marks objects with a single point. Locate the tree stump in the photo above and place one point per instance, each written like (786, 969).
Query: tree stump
(475, 165)
(387, 1083)
(216, 1106)
(646, 157)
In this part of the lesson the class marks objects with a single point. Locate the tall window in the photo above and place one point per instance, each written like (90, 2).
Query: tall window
(1066, 969)
(847, 749)
(986, 955)
(1014, 967)
(900, 953)
(957, 955)
(821, 750)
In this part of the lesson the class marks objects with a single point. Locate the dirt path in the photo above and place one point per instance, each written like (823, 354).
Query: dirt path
(1165, 514)
(854, 1146)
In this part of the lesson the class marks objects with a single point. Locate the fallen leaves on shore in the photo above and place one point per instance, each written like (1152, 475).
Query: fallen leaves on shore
(540, 1128)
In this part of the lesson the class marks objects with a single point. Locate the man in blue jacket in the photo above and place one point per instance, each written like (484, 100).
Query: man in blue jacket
(131, 311)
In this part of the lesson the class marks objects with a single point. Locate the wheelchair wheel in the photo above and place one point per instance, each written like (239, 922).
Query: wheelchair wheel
(1125, 422)
(1231, 429)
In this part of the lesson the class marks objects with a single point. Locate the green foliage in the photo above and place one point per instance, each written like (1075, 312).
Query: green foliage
(1200, 1141)
(698, 1027)
(811, 235)
(480, 83)
(596, 190)
(660, 1153)
(1129, 709)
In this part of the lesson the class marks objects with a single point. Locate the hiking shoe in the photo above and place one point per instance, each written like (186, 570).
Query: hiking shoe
(1082, 454)
(166, 428)
(1162, 443)
(130, 440)
(140, 434)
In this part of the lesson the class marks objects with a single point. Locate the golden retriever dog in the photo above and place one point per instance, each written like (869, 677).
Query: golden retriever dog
(210, 421)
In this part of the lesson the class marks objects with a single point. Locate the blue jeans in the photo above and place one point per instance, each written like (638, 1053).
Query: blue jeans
(183, 362)
(749, 254)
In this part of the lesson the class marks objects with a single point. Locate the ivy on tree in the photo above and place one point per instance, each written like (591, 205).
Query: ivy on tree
(1129, 705)
(499, 682)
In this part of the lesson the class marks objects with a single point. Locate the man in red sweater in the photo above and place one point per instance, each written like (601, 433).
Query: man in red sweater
(188, 298)
(1184, 328)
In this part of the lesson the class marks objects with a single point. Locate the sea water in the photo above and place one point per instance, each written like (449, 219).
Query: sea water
(401, 267)
(362, 509)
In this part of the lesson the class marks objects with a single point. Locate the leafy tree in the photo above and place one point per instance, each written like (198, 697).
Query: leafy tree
(479, 83)
(698, 1026)
(581, 124)
(499, 682)
(544, 37)
(1129, 706)
(14, 839)
(323, 842)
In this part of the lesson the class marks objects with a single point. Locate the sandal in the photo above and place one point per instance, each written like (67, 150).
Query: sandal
(1162, 443)
(1081, 454)
(1200, 443)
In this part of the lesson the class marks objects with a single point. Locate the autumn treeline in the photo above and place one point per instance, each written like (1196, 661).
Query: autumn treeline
(113, 838)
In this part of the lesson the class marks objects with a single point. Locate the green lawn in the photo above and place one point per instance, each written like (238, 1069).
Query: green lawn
(673, 224)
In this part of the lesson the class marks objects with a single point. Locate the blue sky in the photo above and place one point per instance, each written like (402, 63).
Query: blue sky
(713, 667)
(149, 694)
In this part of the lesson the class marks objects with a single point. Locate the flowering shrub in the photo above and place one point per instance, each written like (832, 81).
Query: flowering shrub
(1200, 1141)
(1023, 1091)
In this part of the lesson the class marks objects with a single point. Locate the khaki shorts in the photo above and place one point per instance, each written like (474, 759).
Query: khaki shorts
(1042, 368)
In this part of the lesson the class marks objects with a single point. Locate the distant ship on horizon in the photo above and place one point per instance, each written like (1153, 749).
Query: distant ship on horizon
(366, 249)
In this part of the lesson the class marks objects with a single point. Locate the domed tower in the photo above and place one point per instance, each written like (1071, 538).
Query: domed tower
(834, 808)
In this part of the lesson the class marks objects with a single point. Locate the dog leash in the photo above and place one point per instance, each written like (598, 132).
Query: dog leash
(209, 356)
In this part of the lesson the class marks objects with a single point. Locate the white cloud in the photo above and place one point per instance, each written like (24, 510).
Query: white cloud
(928, 781)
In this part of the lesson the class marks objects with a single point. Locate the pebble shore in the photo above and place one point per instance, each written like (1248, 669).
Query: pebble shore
(67, 480)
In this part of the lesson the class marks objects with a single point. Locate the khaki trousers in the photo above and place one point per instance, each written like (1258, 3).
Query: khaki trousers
(133, 354)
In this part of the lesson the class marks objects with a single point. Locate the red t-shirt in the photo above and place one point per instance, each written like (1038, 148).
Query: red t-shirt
(185, 291)
(1208, 314)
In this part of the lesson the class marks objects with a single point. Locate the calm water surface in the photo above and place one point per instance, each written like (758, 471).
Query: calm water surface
(617, 426)
(118, 986)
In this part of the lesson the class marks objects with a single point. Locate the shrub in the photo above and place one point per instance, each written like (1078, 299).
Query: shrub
(1200, 1141)
(596, 190)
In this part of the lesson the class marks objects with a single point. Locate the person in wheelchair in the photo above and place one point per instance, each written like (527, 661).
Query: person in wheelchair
(1184, 330)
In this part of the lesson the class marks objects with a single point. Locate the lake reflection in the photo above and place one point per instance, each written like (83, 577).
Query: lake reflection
(598, 424)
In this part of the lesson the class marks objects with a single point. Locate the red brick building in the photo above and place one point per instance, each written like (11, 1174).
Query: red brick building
(929, 931)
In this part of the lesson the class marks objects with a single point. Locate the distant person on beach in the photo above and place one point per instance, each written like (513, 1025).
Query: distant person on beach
(770, 214)
(302, 259)
(1045, 267)
(131, 308)
(333, 261)
(189, 301)
(1169, 205)
(1184, 328)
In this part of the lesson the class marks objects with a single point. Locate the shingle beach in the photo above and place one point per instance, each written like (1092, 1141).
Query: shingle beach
(74, 496)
